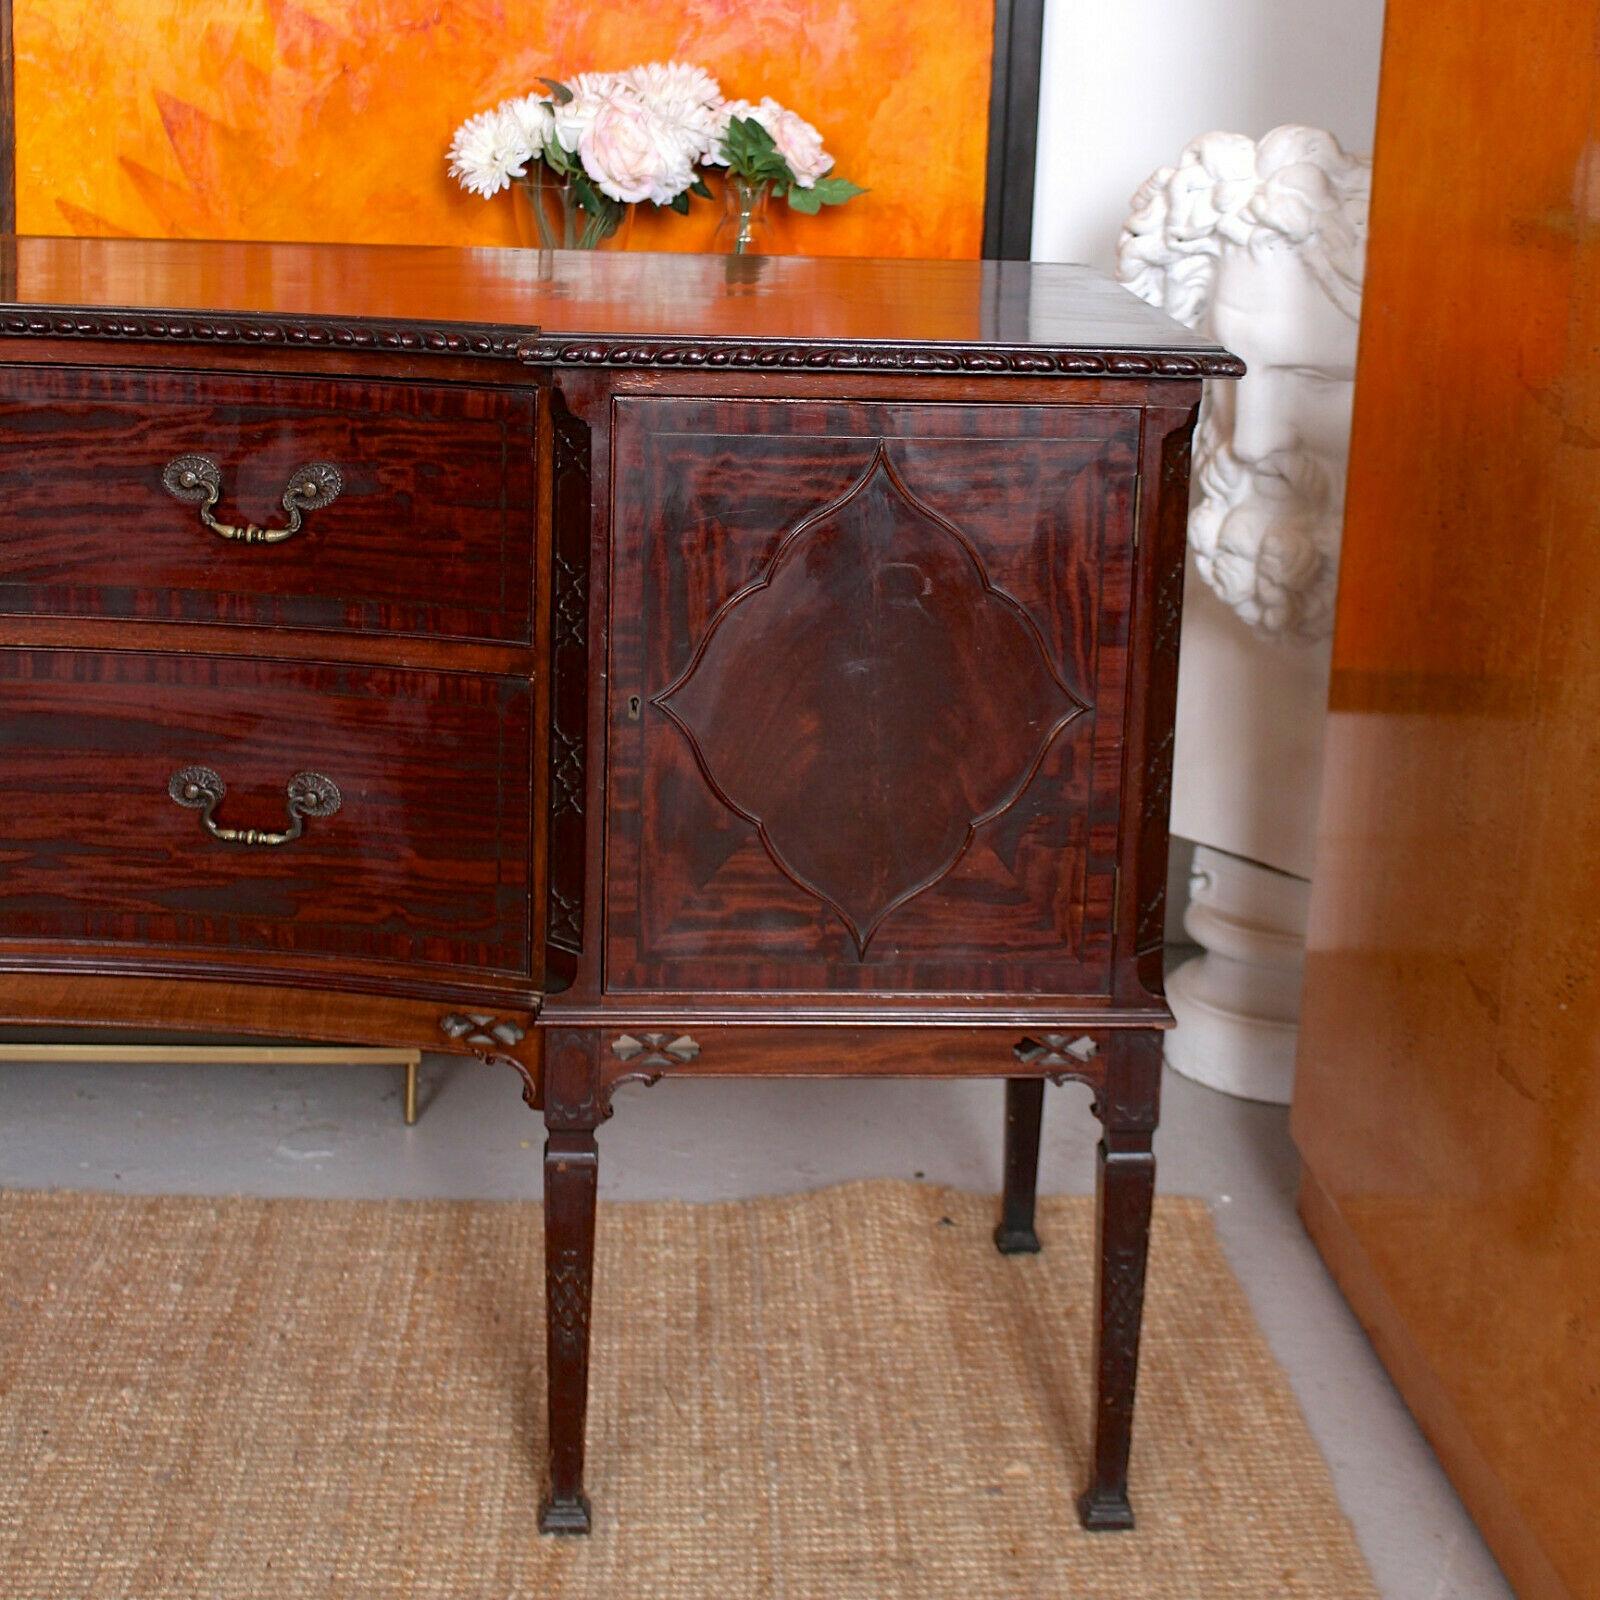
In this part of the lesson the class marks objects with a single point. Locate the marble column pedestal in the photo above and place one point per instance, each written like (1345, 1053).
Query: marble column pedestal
(1238, 1001)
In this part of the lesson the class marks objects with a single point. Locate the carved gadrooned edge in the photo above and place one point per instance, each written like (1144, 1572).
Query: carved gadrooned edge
(508, 344)
(967, 360)
(298, 333)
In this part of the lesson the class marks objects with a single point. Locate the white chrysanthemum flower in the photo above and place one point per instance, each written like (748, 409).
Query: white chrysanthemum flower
(488, 151)
(534, 117)
(686, 97)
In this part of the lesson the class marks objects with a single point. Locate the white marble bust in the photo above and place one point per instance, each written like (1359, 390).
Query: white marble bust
(1261, 243)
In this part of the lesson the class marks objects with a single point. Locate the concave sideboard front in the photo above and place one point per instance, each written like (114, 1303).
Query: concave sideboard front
(271, 688)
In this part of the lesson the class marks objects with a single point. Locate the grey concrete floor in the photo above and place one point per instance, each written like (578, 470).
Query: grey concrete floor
(337, 1132)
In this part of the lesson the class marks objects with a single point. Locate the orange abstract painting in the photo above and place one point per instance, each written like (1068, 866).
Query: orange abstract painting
(329, 119)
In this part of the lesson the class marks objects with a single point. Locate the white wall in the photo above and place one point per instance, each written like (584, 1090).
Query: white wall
(1126, 84)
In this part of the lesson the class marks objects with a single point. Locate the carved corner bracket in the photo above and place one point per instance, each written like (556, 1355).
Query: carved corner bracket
(479, 1031)
(491, 1039)
(583, 1067)
(1060, 1057)
(644, 1057)
(654, 1049)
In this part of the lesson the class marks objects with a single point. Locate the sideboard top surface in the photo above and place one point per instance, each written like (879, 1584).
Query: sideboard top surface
(601, 308)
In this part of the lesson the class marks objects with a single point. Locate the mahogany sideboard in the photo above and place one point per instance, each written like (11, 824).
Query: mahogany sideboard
(610, 666)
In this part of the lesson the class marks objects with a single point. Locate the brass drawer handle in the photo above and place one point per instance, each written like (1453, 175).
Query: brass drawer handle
(201, 789)
(197, 480)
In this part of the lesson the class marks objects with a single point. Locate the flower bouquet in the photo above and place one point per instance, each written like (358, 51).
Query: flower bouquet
(769, 150)
(588, 150)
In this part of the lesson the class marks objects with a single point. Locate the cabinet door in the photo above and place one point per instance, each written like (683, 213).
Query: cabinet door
(867, 668)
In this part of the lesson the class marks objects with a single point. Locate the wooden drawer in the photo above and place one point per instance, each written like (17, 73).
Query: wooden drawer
(426, 862)
(431, 532)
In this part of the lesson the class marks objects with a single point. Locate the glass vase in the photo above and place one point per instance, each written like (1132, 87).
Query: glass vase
(550, 215)
(745, 229)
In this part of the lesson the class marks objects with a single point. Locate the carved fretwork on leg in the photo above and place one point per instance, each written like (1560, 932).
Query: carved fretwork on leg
(1128, 1107)
(1024, 1107)
(573, 1108)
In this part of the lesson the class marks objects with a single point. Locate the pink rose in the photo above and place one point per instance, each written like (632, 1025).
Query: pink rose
(798, 142)
(631, 153)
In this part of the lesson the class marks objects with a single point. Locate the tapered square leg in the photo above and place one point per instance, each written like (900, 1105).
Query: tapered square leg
(571, 1182)
(1015, 1233)
(1125, 1186)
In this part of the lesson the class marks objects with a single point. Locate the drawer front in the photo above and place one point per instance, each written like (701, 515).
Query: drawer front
(867, 673)
(426, 860)
(431, 531)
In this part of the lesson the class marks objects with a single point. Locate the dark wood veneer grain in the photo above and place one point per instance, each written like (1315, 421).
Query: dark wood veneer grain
(866, 678)
(426, 862)
(432, 532)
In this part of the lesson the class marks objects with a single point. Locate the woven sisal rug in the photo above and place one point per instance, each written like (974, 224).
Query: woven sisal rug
(846, 1395)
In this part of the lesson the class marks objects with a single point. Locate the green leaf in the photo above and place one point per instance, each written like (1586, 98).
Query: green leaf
(751, 153)
(680, 203)
(607, 213)
(807, 201)
(752, 135)
(559, 92)
(835, 191)
(699, 187)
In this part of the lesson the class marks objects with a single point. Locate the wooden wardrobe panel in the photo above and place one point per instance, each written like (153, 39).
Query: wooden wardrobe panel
(1448, 1102)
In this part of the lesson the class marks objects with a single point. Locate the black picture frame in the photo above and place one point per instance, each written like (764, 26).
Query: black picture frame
(1013, 128)
(8, 126)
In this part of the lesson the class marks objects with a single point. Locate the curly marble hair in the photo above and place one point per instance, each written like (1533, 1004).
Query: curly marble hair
(1294, 183)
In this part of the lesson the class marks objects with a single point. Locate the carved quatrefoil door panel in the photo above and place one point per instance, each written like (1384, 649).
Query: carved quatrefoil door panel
(866, 695)
(870, 701)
